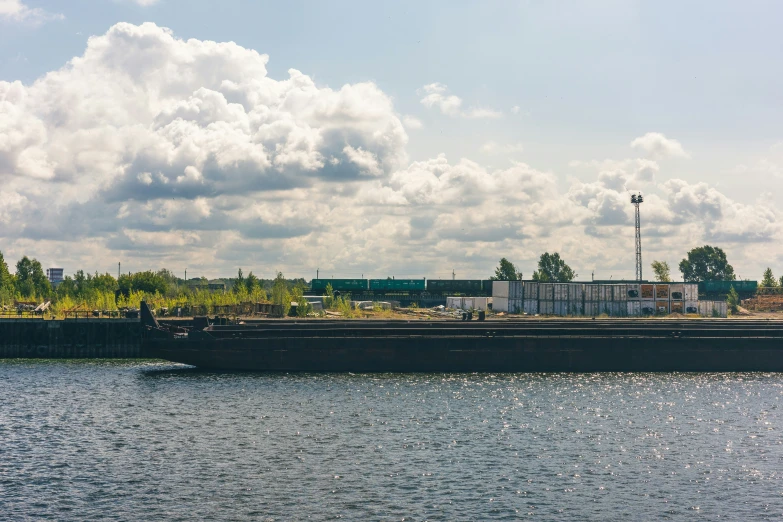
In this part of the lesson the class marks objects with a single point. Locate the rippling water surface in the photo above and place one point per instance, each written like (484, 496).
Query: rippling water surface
(147, 441)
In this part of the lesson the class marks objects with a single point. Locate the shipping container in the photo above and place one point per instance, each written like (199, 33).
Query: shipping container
(530, 306)
(499, 304)
(576, 292)
(648, 291)
(705, 308)
(454, 302)
(561, 291)
(722, 308)
(339, 285)
(546, 292)
(662, 307)
(633, 291)
(677, 307)
(691, 291)
(661, 292)
(605, 308)
(677, 292)
(647, 306)
(691, 307)
(515, 289)
(619, 309)
(515, 306)
(591, 292)
(591, 308)
(620, 293)
(546, 307)
(531, 290)
(500, 289)
(397, 285)
(634, 308)
(471, 303)
(604, 292)
(561, 308)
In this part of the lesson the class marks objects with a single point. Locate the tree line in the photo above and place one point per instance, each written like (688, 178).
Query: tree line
(705, 263)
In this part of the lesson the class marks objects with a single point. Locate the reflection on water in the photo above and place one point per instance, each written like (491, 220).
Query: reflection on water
(142, 440)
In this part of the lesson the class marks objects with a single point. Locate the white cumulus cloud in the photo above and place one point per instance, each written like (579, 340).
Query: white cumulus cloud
(435, 95)
(17, 11)
(658, 146)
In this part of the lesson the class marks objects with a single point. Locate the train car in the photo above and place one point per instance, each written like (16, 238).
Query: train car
(397, 285)
(318, 286)
(721, 289)
(471, 287)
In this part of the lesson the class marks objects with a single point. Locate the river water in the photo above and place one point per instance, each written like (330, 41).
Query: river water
(130, 440)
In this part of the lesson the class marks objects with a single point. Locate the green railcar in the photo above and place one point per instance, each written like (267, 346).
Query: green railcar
(471, 287)
(339, 285)
(397, 285)
(723, 287)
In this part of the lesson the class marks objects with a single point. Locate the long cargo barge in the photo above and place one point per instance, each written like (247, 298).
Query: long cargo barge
(490, 346)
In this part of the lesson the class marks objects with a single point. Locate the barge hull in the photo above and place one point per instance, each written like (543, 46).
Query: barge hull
(477, 354)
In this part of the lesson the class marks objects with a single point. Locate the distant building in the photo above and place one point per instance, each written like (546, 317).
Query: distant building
(55, 275)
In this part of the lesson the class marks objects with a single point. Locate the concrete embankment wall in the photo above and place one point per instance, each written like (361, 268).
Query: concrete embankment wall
(70, 338)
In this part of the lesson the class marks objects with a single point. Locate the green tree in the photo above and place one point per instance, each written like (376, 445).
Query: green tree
(239, 282)
(328, 296)
(252, 284)
(6, 281)
(706, 263)
(303, 307)
(280, 294)
(506, 271)
(148, 282)
(553, 269)
(662, 271)
(30, 279)
(732, 300)
(768, 281)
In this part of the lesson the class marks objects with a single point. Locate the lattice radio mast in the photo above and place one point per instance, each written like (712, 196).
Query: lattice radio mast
(636, 200)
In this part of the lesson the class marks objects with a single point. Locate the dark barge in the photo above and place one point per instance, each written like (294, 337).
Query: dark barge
(580, 345)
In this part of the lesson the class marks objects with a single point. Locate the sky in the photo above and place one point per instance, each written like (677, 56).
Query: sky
(406, 139)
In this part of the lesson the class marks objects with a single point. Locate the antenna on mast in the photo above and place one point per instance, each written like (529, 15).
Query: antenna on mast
(636, 200)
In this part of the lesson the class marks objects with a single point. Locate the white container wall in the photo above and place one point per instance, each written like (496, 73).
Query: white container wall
(647, 307)
(576, 292)
(619, 309)
(605, 307)
(516, 306)
(721, 308)
(691, 291)
(634, 308)
(575, 308)
(467, 303)
(561, 308)
(633, 291)
(546, 307)
(591, 308)
(705, 308)
(677, 292)
(499, 304)
(604, 292)
(546, 292)
(530, 306)
(531, 290)
(454, 302)
(561, 292)
(620, 293)
(591, 292)
(515, 289)
(500, 289)
(691, 307)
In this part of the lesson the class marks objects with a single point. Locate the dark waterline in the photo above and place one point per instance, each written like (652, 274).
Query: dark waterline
(142, 440)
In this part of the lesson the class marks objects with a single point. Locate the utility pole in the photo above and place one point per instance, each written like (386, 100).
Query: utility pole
(317, 271)
(119, 267)
(186, 275)
(636, 200)
(453, 275)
